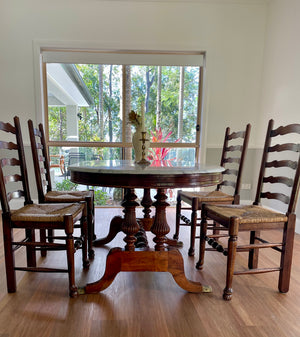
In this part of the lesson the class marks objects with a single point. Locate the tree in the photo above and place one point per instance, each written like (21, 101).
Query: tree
(158, 98)
(180, 105)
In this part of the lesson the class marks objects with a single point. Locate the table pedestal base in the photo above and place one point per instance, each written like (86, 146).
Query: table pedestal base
(115, 228)
(144, 260)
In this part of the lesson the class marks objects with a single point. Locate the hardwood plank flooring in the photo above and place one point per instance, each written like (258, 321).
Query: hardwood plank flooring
(149, 304)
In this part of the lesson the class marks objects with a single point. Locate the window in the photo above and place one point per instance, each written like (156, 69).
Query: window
(88, 96)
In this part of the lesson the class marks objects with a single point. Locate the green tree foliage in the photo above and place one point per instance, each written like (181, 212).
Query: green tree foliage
(88, 123)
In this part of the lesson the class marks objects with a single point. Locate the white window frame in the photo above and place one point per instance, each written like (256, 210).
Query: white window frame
(62, 52)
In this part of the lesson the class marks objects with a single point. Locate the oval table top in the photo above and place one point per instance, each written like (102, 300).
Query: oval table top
(158, 174)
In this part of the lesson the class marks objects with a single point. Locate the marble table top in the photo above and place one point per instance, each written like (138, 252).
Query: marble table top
(163, 167)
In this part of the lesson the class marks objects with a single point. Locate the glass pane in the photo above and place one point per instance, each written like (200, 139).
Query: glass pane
(172, 154)
(62, 157)
(170, 107)
(84, 101)
(78, 108)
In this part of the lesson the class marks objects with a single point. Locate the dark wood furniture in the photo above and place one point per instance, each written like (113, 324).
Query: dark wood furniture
(31, 217)
(41, 165)
(278, 180)
(227, 192)
(126, 174)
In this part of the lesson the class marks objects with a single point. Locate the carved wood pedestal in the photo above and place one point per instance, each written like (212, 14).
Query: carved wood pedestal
(126, 175)
(161, 259)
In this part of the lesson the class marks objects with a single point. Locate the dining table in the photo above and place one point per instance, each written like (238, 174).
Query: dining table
(157, 175)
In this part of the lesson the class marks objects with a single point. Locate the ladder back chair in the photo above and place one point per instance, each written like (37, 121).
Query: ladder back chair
(41, 165)
(232, 159)
(278, 182)
(31, 217)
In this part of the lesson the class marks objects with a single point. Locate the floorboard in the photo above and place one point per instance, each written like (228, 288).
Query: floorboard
(149, 304)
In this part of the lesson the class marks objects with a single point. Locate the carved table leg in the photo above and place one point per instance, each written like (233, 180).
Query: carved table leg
(160, 226)
(130, 226)
(146, 203)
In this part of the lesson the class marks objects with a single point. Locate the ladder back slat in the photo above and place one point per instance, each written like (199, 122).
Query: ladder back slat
(7, 127)
(284, 147)
(283, 130)
(233, 148)
(231, 172)
(15, 195)
(228, 183)
(280, 180)
(12, 178)
(279, 196)
(8, 145)
(234, 135)
(282, 163)
(232, 160)
(10, 162)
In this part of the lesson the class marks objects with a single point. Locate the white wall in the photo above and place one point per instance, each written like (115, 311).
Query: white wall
(280, 96)
(232, 33)
(253, 70)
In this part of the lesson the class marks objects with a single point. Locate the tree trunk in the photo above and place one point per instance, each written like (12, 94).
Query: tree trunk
(158, 98)
(149, 82)
(126, 106)
(180, 107)
(101, 112)
(109, 105)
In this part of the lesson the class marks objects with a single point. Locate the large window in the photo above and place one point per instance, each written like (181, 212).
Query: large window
(89, 95)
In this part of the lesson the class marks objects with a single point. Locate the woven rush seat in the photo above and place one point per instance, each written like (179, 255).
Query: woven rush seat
(46, 212)
(246, 214)
(212, 196)
(67, 196)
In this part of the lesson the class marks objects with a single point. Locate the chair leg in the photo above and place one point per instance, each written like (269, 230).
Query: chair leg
(90, 226)
(215, 230)
(84, 235)
(9, 258)
(232, 245)
(193, 232)
(30, 251)
(50, 235)
(178, 213)
(43, 239)
(73, 291)
(203, 231)
(253, 253)
(287, 254)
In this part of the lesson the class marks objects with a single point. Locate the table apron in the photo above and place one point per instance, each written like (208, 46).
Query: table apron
(146, 180)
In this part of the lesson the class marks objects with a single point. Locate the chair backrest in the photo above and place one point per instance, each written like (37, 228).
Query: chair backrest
(233, 158)
(12, 166)
(279, 179)
(41, 160)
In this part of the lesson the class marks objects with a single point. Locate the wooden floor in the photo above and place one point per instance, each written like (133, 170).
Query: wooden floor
(149, 304)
